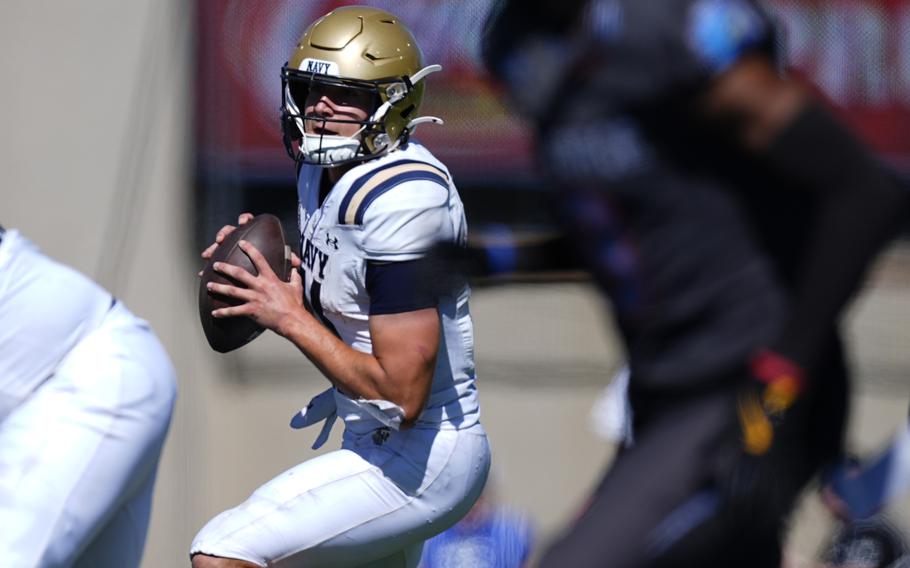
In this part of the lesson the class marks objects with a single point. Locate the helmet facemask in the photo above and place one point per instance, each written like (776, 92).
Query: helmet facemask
(371, 140)
(351, 51)
(314, 145)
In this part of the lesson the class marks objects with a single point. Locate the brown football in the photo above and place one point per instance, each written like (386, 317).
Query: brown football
(266, 234)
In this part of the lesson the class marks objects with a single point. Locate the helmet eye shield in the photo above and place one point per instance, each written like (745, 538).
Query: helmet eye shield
(304, 90)
(374, 115)
(367, 52)
(327, 135)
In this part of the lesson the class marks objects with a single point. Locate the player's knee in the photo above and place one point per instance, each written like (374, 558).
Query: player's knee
(206, 561)
(203, 561)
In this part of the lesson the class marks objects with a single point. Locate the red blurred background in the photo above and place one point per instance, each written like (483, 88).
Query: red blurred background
(855, 52)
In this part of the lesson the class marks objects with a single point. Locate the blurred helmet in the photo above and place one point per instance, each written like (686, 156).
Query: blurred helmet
(364, 49)
(866, 543)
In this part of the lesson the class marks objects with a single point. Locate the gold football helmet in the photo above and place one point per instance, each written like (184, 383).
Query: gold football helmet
(364, 49)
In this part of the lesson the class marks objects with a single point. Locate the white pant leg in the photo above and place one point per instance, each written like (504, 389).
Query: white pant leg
(363, 504)
(408, 557)
(122, 541)
(83, 444)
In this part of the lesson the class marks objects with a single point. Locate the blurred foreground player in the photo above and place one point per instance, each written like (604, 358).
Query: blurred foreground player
(371, 202)
(729, 219)
(86, 394)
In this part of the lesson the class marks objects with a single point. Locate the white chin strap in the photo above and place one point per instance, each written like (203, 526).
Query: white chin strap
(330, 150)
(323, 149)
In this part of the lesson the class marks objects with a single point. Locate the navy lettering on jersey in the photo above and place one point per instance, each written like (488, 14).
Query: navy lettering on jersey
(313, 262)
(314, 259)
(315, 307)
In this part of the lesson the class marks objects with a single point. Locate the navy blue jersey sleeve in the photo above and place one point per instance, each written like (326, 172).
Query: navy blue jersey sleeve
(396, 287)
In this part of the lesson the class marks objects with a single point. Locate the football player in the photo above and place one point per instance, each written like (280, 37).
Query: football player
(86, 395)
(729, 218)
(400, 360)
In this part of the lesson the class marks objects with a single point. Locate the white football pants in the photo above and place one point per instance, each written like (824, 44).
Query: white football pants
(78, 456)
(372, 503)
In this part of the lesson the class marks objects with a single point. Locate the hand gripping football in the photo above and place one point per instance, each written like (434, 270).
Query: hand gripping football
(266, 234)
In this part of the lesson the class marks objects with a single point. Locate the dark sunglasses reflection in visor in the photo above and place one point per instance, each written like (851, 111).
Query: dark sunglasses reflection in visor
(308, 89)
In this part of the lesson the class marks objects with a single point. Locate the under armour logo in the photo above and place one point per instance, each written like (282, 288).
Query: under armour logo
(330, 240)
(381, 436)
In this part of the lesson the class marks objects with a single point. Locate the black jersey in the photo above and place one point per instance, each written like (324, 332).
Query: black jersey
(694, 243)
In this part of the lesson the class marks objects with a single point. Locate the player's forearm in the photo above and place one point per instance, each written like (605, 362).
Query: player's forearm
(353, 372)
(550, 253)
(859, 208)
(506, 254)
(857, 203)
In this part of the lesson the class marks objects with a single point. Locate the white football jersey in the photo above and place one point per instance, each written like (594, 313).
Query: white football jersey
(46, 308)
(390, 209)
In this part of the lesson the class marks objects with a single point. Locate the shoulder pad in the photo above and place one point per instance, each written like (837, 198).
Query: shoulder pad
(376, 182)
